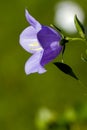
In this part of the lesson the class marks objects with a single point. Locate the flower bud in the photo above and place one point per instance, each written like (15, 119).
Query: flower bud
(79, 27)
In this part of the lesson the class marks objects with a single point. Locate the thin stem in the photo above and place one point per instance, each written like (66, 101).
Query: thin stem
(75, 39)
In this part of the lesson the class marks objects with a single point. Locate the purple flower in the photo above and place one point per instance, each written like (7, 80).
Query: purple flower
(42, 41)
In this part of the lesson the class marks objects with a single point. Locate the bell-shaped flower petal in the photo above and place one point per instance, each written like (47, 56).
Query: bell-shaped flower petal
(32, 21)
(33, 64)
(47, 35)
(49, 40)
(42, 41)
(28, 40)
(51, 53)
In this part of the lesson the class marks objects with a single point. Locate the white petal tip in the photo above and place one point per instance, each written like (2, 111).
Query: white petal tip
(26, 11)
(41, 70)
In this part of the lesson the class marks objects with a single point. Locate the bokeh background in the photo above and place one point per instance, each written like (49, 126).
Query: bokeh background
(22, 96)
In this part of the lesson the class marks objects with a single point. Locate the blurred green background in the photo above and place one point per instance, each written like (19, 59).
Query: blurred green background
(21, 96)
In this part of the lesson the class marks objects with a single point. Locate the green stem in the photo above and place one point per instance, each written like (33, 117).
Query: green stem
(75, 39)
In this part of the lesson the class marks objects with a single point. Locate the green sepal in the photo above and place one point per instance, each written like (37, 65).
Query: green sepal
(54, 26)
(63, 50)
(66, 69)
(63, 41)
(57, 29)
(79, 27)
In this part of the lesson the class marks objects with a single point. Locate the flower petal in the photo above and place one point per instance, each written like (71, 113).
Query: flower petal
(51, 53)
(33, 64)
(28, 40)
(33, 22)
(47, 35)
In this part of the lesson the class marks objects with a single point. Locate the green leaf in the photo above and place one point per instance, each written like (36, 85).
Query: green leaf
(66, 69)
(79, 27)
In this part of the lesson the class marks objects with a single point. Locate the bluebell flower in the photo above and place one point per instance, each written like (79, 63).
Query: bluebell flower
(41, 41)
